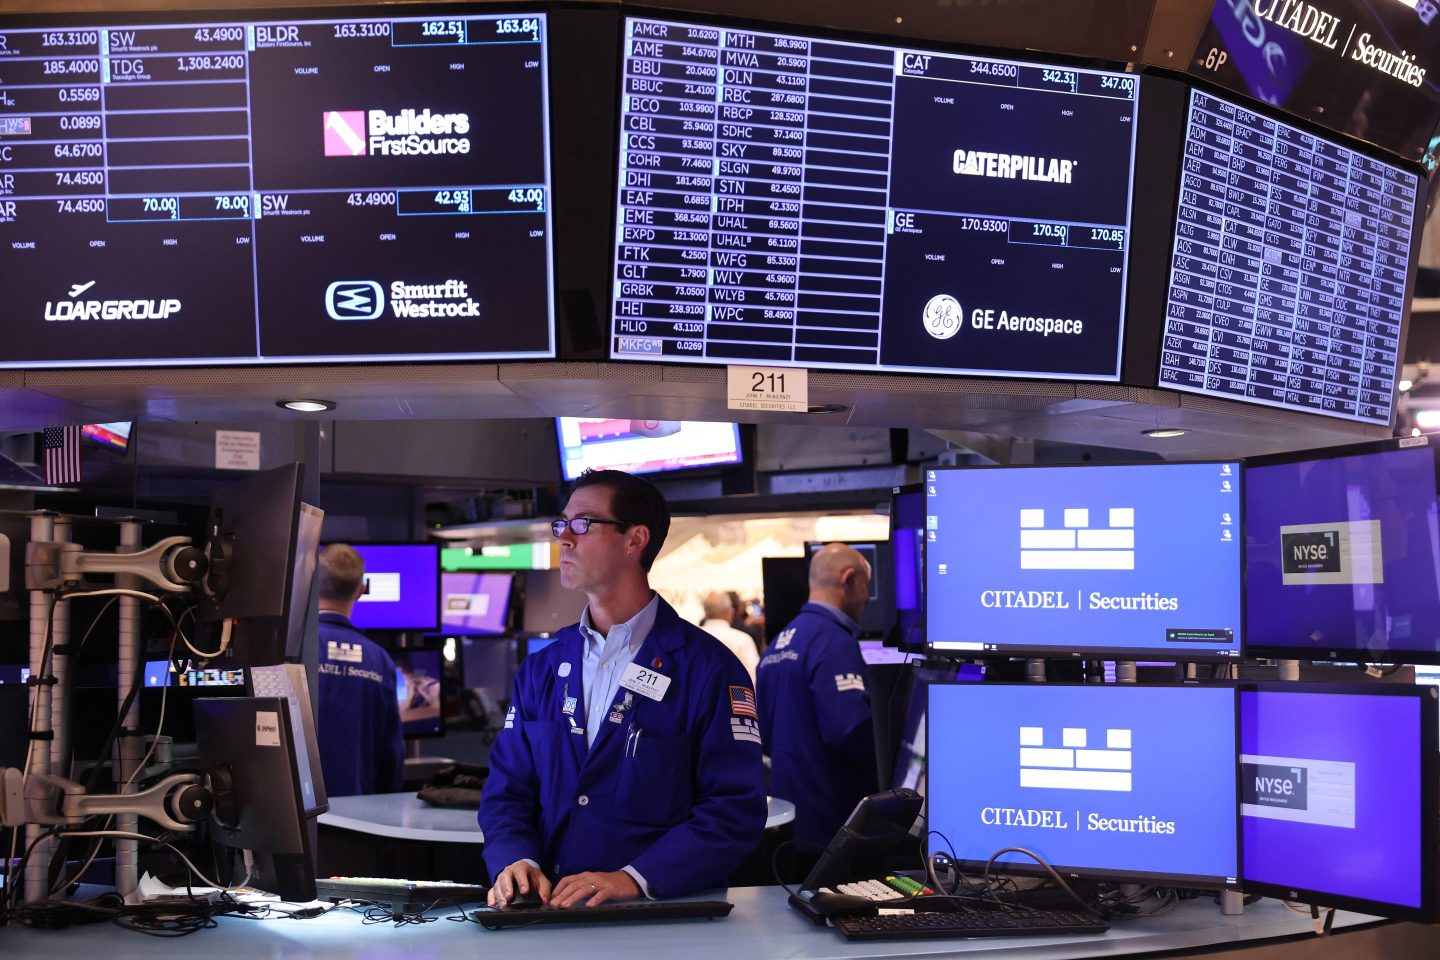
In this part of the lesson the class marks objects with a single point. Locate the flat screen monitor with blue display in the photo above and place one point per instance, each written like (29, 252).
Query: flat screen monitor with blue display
(402, 587)
(419, 674)
(475, 604)
(1128, 561)
(644, 446)
(907, 562)
(1338, 795)
(1109, 782)
(1342, 554)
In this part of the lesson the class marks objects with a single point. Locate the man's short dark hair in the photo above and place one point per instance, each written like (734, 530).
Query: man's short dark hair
(341, 571)
(634, 501)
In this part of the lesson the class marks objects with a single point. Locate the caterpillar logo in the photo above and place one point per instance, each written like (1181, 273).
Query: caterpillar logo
(1009, 166)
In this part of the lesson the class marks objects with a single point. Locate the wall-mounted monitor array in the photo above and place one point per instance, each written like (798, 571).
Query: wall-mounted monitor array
(1322, 793)
(644, 446)
(791, 200)
(1138, 560)
(1288, 276)
(289, 189)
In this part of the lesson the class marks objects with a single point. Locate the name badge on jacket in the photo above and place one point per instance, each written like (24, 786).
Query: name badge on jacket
(645, 682)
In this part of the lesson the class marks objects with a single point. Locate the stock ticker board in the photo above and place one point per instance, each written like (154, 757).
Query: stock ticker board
(288, 190)
(1287, 279)
(792, 200)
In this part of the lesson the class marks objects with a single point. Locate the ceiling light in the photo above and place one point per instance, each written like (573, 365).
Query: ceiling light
(1405, 385)
(1414, 431)
(306, 406)
(1164, 433)
(1427, 419)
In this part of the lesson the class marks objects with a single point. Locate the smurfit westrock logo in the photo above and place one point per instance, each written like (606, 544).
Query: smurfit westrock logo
(1076, 545)
(1074, 765)
(359, 133)
(75, 308)
(354, 300)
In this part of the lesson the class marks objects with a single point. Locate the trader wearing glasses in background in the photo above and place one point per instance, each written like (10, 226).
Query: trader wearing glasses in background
(629, 764)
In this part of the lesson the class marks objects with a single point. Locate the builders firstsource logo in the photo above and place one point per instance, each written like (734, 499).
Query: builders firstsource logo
(376, 133)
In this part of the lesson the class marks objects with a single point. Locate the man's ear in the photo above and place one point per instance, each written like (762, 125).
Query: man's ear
(639, 537)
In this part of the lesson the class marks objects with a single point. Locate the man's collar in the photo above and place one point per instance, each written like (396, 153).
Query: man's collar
(637, 627)
(837, 613)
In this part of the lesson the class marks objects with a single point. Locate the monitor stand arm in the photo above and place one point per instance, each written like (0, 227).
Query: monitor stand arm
(175, 803)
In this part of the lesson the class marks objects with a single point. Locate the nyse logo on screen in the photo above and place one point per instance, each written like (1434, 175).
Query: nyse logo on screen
(1273, 786)
(1315, 551)
(354, 300)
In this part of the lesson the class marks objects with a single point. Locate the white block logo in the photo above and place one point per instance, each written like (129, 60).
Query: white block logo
(1074, 765)
(381, 587)
(1075, 545)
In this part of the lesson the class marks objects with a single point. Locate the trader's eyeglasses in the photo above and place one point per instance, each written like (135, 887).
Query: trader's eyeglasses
(580, 525)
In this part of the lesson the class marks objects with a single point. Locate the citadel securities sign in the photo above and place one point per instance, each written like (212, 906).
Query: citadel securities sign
(1359, 67)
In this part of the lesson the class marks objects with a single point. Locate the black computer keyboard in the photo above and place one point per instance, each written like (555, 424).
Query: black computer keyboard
(1018, 922)
(638, 912)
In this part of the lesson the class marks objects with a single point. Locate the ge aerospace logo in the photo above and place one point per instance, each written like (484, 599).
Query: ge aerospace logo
(943, 316)
(354, 300)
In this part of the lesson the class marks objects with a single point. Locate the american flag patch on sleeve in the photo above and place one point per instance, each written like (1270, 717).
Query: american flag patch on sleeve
(743, 729)
(742, 702)
(849, 681)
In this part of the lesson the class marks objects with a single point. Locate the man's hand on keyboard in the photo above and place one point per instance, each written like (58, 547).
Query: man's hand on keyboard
(592, 889)
(522, 876)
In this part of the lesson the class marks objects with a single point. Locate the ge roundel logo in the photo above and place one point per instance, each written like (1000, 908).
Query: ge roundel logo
(943, 315)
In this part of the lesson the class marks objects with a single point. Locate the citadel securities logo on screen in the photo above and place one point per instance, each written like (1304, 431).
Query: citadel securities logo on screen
(1079, 781)
(1085, 558)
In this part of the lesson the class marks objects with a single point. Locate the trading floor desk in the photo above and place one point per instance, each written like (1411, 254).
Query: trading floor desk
(399, 835)
(762, 926)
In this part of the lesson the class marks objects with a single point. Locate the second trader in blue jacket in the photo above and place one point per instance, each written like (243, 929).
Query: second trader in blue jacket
(814, 708)
(629, 763)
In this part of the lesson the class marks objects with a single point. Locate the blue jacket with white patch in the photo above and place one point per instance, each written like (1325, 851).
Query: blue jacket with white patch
(674, 787)
(357, 720)
(815, 721)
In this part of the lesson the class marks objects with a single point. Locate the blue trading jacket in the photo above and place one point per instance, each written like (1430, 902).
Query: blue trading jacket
(674, 788)
(358, 718)
(815, 721)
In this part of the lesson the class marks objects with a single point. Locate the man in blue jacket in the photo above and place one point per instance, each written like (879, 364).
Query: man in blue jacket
(814, 708)
(629, 764)
(358, 719)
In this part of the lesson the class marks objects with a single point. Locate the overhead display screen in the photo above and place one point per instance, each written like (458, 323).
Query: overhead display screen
(1287, 280)
(1366, 68)
(287, 190)
(793, 201)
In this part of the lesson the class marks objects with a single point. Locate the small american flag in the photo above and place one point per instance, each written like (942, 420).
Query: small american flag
(62, 454)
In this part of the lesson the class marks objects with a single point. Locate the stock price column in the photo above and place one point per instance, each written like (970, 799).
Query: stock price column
(752, 196)
(125, 151)
(402, 174)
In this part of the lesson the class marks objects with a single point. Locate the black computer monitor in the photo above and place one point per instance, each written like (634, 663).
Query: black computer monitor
(878, 826)
(1105, 781)
(1118, 561)
(1338, 795)
(548, 605)
(252, 543)
(419, 675)
(786, 583)
(1342, 554)
(247, 750)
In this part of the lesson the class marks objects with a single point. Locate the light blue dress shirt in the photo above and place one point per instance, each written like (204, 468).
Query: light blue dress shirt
(606, 659)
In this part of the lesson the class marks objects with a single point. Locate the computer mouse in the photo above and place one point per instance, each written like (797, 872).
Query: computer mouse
(841, 904)
(526, 901)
